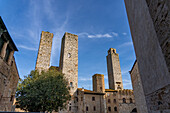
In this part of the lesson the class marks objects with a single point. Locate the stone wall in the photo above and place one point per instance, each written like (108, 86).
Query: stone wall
(69, 60)
(152, 63)
(120, 101)
(114, 71)
(98, 83)
(90, 102)
(8, 80)
(160, 14)
(44, 52)
(138, 89)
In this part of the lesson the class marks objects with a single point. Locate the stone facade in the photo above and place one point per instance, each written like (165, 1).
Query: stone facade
(44, 52)
(149, 24)
(8, 70)
(160, 13)
(138, 89)
(69, 66)
(69, 60)
(98, 83)
(120, 101)
(107, 101)
(114, 71)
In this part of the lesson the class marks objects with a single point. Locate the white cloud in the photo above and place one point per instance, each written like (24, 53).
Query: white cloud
(27, 48)
(100, 36)
(106, 35)
(115, 34)
(124, 33)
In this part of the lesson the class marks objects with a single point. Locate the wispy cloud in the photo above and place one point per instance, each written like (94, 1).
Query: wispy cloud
(125, 44)
(27, 48)
(85, 79)
(126, 82)
(115, 34)
(100, 36)
(105, 35)
(84, 34)
(124, 33)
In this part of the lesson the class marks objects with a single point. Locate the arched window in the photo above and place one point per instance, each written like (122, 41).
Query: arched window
(108, 100)
(109, 108)
(115, 108)
(131, 101)
(124, 100)
(114, 100)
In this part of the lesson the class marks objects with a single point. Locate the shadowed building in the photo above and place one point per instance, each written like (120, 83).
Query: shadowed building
(149, 22)
(8, 70)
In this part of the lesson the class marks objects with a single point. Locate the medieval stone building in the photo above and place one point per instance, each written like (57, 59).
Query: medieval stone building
(44, 52)
(149, 22)
(8, 70)
(100, 100)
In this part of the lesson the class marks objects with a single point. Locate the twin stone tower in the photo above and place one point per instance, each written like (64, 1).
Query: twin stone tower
(69, 60)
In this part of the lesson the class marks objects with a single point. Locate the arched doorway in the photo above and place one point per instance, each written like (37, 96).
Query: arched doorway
(134, 110)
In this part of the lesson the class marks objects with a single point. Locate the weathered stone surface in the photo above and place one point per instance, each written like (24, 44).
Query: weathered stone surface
(114, 71)
(98, 83)
(138, 89)
(69, 60)
(8, 70)
(149, 33)
(44, 52)
(69, 66)
(160, 14)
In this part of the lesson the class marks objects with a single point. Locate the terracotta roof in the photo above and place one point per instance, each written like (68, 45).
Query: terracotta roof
(110, 90)
(90, 92)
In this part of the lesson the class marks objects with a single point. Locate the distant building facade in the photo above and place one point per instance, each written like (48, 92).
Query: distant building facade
(44, 52)
(8, 70)
(149, 22)
(114, 71)
(102, 100)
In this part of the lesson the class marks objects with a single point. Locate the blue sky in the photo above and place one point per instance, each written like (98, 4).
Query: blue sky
(100, 25)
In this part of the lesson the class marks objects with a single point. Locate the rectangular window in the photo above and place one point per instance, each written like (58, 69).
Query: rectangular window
(87, 108)
(93, 98)
(94, 108)
(81, 98)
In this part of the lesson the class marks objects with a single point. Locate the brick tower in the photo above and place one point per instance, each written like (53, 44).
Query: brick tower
(69, 60)
(44, 52)
(98, 83)
(113, 68)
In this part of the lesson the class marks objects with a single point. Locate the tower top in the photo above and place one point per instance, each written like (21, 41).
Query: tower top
(111, 50)
(46, 32)
(66, 33)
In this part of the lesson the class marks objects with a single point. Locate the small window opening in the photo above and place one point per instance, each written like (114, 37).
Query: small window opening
(93, 98)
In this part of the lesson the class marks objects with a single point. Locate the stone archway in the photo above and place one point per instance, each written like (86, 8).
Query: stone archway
(134, 110)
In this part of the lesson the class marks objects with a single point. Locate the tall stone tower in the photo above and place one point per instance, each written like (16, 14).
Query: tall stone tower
(69, 60)
(113, 68)
(98, 83)
(44, 52)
